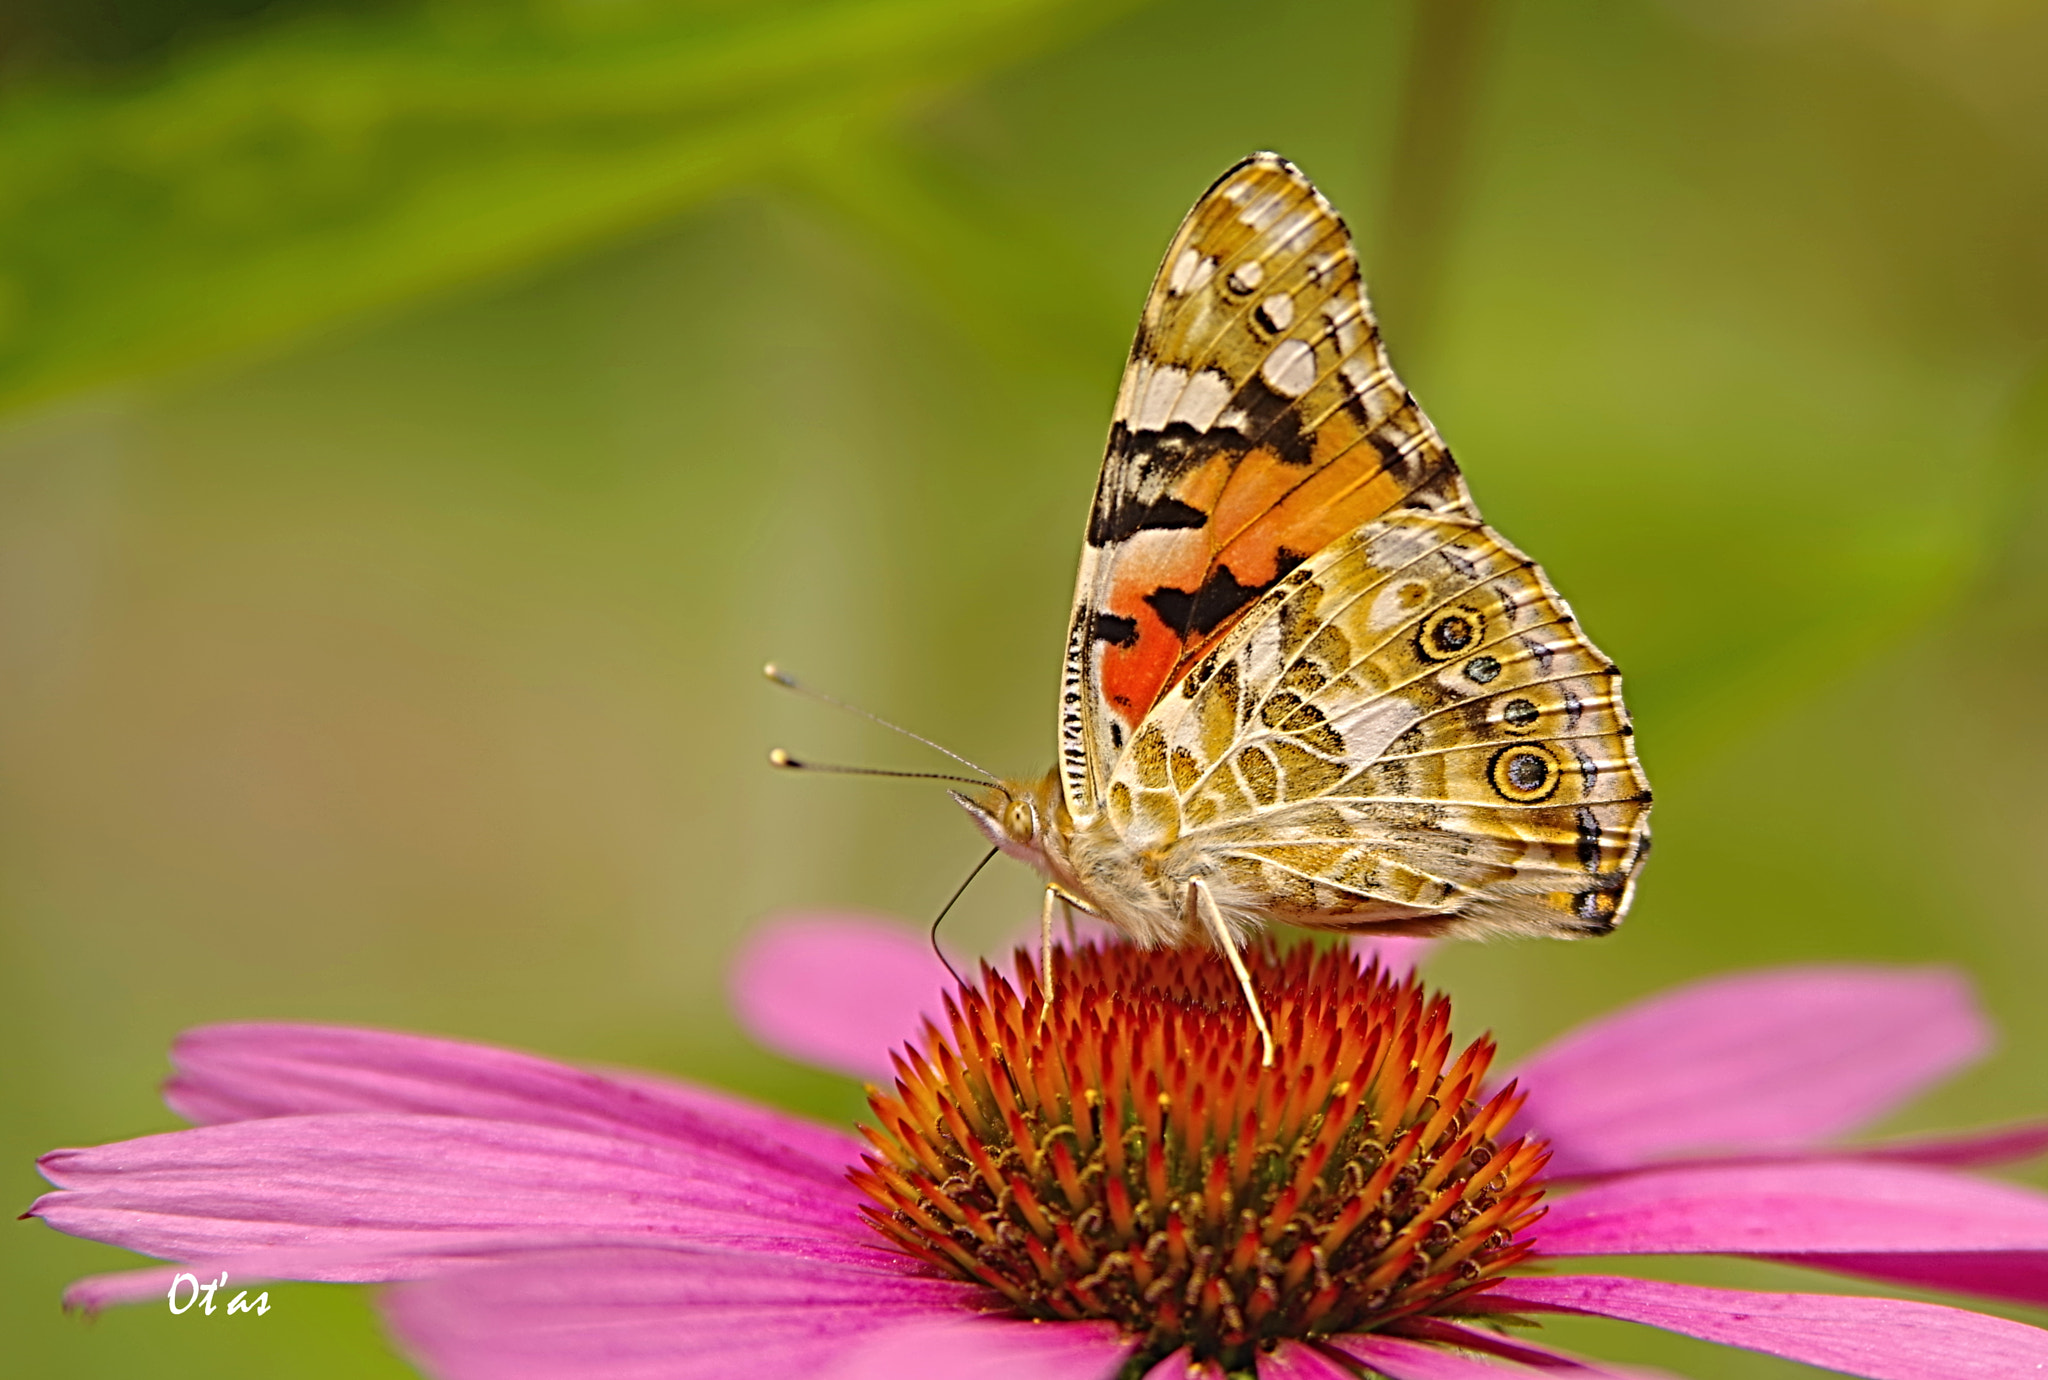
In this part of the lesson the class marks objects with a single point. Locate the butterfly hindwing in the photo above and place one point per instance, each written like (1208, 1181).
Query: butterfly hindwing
(1408, 728)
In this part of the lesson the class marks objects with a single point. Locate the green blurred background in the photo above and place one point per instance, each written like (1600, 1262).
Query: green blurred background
(422, 418)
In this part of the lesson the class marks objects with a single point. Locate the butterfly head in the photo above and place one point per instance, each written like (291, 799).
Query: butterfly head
(1015, 816)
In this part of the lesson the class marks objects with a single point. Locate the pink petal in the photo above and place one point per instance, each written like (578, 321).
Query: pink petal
(1967, 1150)
(840, 991)
(1516, 1349)
(377, 1193)
(1182, 1365)
(986, 1348)
(243, 1071)
(1805, 1209)
(1397, 954)
(1755, 1061)
(1399, 1359)
(643, 1314)
(1483, 1356)
(2016, 1276)
(349, 1261)
(1882, 1339)
(1297, 1361)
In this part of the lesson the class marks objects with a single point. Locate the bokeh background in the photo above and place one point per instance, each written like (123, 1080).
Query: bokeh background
(422, 418)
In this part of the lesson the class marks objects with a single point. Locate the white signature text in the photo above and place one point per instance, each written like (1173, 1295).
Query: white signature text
(202, 1294)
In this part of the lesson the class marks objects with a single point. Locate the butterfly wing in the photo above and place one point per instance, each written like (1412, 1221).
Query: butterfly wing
(1300, 663)
(1408, 730)
(1258, 421)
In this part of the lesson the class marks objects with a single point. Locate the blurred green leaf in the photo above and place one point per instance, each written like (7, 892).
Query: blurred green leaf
(1014, 281)
(322, 168)
(110, 36)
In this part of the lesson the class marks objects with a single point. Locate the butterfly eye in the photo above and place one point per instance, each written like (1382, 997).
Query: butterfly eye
(1451, 633)
(1524, 775)
(1020, 822)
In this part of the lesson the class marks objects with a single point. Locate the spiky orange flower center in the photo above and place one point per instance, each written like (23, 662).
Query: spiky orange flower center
(1127, 1156)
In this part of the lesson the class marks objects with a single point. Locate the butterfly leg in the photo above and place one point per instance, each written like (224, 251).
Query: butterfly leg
(1204, 905)
(1053, 898)
(1068, 905)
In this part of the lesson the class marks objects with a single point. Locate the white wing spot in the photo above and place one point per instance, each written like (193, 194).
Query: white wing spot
(1290, 370)
(1298, 227)
(1190, 272)
(1366, 375)
(1347, 318)
(1370, 728)
(1247, 275)
(1263, 213)
(1390, 547)
(1155, 401)
(1135, 375)
(1277, 311)
(1202, 400)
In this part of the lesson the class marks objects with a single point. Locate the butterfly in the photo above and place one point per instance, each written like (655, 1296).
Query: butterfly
(1304, 681)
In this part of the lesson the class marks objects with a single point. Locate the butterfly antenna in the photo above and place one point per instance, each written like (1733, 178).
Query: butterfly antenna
(958, 892)
(787, 682)
(778, 758)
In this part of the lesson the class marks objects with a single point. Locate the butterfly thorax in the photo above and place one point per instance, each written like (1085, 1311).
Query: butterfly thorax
(1138, 886)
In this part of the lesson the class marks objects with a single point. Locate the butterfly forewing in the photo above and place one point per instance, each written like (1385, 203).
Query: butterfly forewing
(1257, 422)
(1300, 663)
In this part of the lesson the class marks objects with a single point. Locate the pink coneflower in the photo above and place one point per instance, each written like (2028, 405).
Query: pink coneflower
(1113, 1187)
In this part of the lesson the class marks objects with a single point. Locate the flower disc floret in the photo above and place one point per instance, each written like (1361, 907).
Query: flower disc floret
(1123, 1155)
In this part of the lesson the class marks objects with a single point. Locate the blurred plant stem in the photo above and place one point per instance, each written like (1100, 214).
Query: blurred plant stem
(1448, 42)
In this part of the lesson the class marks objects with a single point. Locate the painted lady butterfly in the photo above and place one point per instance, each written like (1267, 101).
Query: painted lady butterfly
(1304, 680)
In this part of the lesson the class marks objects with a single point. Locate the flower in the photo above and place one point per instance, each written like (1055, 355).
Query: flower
(1121, 1152)
(543, 1221)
